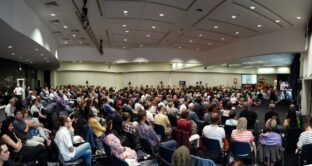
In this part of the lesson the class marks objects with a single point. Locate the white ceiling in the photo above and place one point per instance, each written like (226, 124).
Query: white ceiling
(17, 47)
(182, 26)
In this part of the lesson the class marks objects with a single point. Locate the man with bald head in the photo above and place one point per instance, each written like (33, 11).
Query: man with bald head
(271, 113)
(213, 131)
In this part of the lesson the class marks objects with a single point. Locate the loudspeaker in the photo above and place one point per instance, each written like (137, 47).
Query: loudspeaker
(129, 83)
(161, 82)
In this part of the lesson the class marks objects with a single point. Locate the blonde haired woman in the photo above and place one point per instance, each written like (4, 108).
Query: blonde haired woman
(241, 134)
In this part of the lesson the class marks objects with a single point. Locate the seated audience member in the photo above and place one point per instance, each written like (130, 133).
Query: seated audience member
(117, 149)
(149, 115)
(183, 123)
(21, 128)
(97, 129)
(294, 118)
(213, 131)
(271, 112)
(16, 147)
(270, 137)
(193, 116)
(64, 140)
(250, 116)
(227, 109)
(162, 119)
(127, 126)
(108, 109)
(171, 109)
(241, 133)
(36, 125)
(37, 107)
(145, 131)
(181, 157)
(231, 121)
(4, 155)
(306, 136)
(10, 108)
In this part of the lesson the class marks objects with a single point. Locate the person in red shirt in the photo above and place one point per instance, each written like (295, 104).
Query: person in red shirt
(183, 123)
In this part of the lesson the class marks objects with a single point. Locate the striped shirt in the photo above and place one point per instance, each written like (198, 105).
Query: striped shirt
(305, 138)
(245, 136)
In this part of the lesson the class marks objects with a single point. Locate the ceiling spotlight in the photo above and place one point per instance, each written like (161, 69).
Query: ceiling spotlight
(125, 12)
(223, 38)
(234, 17)
(80, 42)
(259, 25)
(74, 35)
(41, 54)
(141, 45)
(12, 53)
(298, 18)
(161, 14)
(52, 14)
(30, 62)
(148, 35)
(65, 26)
(124, 47)
(236, 33)
(65, 42)
(10, 46)
(209, 44)
(277, 21)
(200, 35)
(153, 26)
(127, 31)
(36, 49)
(125, 40)
(252, 7)
(179, 47)
(124, 25)
(191, 41)
(216, 27)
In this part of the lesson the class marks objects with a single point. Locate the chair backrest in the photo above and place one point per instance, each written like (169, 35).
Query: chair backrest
(166, 149)
(212, 145)
(223, 119)
(146, 147)
(173, 120)
(306, 152)
(130, 140)
(292, 136)
(240, 149)
(119, 161)
(197, 161)
(159, 129)
(228, 130)
(108, 151)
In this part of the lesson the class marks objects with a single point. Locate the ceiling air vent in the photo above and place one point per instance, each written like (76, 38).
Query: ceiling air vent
(50, 4)
(57, 32)
(55, 21)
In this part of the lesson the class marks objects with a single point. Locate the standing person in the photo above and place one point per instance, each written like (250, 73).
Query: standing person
(64, 141)
(18, 92)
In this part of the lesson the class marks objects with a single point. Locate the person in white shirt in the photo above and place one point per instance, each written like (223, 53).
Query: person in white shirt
(18, 92)
(213, 131)
(64, 141)
(10, 108)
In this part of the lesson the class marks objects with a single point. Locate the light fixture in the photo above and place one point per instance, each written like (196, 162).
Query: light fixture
(80, 42)
(153, 26)
(277, 21)
(223, 38)
(65, 26)
(36, 49)
(216, 27)
(259, 25)
(124, 47)
(209, 44)
(124, 25)
(298, 18)
(161, 14)
(74, 35)
(127, 31)
(52, 14)
(125, 40)
(125, 12)
(20, 67)
(65, 42)
(237, 33)
(141, 45)
(30, 62)
(10, 46)
(12, 53)
(200, 35)
(148, 35)
(234, 17)
(179, 47)
(191, 41)
(252, 7)
(41, 54)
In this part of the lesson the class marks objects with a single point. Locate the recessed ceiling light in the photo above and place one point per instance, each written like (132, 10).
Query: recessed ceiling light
(161, 14)
(30, 62)
(200, 35)
(179, 47)
(191, 41)
(124, 47)
(124, 25)
(153, 26)
(277, 21)
(223, 38)
(148, 35)
(141, 45)
(36, 49)
(20, 57)
(216, 27)
(125, 12)
(41, 54)
(236, 33)
(209, 44)
(259, 25)
(125, 40)
(252, 7)
(74, 35)
(65, 26)
(298, 18)
(52, 14)
(12, 53)
(65, 42)
(10, 46)
(234, 17)
(80, 42)
(127, 31)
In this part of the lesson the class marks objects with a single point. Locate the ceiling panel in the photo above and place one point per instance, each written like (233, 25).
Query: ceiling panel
(152, 11)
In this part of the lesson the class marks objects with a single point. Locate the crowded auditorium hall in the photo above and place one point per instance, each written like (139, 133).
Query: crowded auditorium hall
(155, 82)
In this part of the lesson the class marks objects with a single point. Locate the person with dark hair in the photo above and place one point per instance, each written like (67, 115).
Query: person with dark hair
(127, 125)
(16, 147)
(271, 112)
(250, 115)
(183, 123)
(294, 119)
(64, 139)
(145, 131)
(231, 121)
(4, 154)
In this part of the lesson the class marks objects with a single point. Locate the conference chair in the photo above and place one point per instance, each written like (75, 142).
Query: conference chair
(119, 162)
(292, 136)
(159, 130)
(213, 149)
(165, 152)
(241, 151)
(146, 147)
(197, 161)
(305, 155)
(228, 131)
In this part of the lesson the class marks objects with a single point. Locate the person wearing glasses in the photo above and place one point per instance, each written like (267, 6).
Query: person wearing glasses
(65, 140)
(4, 154)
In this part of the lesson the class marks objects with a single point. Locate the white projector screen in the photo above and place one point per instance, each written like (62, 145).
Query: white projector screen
(249, 78)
